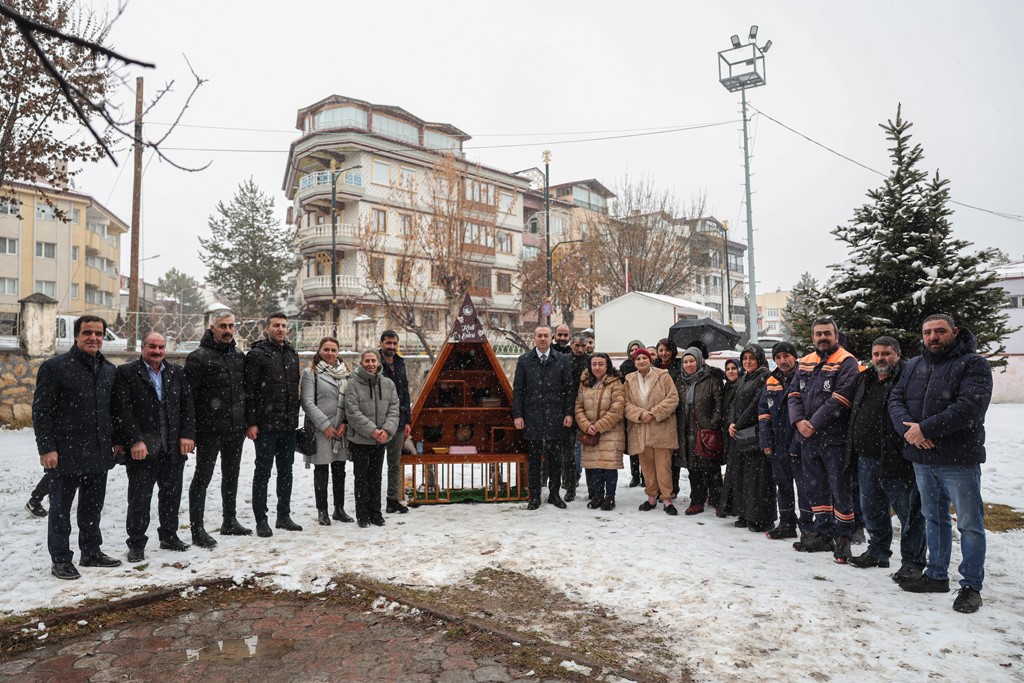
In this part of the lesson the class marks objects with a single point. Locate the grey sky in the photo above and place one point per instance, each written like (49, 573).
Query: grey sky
(834, 72)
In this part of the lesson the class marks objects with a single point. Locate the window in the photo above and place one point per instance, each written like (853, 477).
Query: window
(530, 252)
(8, 245)
(534, 226)
(430, 320)
(583, 196)
(408, 178)
(98, 228)
(393, 128)
(503, 241)
(557, 226)
(74, 253)
(377, 265)
(380, 220)
(405, 224)
(76, 215)
(340, 117)
(9, 207)
(44, 212)
(47, 287)
(403, 271)
(505, 283)
(74, 291)
(98, 297)
(480, 278)
(1012, 302)
(584, 231)
(438, 141)
(8, 285)
(736, 263)
(482, 193)
(46, 250)
(505, 201)
(773, 313)
(381, 172)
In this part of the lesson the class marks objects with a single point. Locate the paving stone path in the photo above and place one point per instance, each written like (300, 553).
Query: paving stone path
(285, 639)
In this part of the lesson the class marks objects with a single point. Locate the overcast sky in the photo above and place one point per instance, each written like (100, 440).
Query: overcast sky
(544, 72)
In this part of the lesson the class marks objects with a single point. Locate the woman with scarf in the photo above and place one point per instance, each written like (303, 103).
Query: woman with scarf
(322, 394)
(749, 488)
(371, 408)
(700, 422)
(600, 406)
(733, 372)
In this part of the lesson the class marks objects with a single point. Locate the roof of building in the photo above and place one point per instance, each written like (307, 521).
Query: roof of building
(592, 183)
(46, 189)
(670, 300)
(389, 109)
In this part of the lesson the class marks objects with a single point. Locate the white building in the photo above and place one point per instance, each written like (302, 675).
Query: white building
(643, 316)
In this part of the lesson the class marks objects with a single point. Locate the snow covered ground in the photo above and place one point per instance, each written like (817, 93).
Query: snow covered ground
(732, 604)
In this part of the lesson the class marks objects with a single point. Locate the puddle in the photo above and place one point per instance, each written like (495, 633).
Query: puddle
(240, 649)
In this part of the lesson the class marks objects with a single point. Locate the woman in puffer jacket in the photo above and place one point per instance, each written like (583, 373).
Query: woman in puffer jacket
(600, 407)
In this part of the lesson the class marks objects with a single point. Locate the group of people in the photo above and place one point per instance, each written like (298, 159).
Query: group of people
(817, 449)
(151, 415)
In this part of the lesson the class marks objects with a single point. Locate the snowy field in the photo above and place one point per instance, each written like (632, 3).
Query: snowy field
(732, 604)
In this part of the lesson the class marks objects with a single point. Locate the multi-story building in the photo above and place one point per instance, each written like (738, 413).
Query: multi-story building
(771, 309)
(68, 248)
(725, 265)
(399, 180)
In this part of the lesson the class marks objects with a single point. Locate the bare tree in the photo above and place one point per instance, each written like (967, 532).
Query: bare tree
(653, 236)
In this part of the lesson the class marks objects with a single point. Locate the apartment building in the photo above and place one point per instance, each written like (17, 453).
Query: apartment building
(771, 309)
(726, 264)
(65, 245)
(397, 180)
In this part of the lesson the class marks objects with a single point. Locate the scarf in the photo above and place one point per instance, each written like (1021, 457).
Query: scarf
(691, 381)
(338, 372)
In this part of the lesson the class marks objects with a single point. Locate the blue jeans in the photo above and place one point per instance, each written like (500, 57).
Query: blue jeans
(271, 448)
(604, 481)
(960, 485)
(876, 497)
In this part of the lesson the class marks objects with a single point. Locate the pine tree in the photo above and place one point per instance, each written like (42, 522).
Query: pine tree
(184, 288)
(248, 255)
(803, 307)
(904, 264)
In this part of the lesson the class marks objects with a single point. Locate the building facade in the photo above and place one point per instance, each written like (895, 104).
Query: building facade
(65, 245)
(726, 264)
(771, 309)
(400, 182)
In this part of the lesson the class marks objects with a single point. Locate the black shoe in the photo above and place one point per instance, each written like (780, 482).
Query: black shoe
(634, 482)
(99, 559)
(670, 509)
(341, 515)
(363, 524)
(263, 529)
(201, 539)
(759, 528)
(740, 523)
(570, 495)
(926, 584)
(285, 522)
(813, 543)
(35, 508)
(174, 543)
(905, 573)
(595, 503)
(841, 552)
(608, 504)
(323, 518)
(858, 537)
(968, 601)
(231, 527)
(377, 520)
(136, 555)
(533, 504)
(556, 500)
(780, 532)
(646, 505)
(866, 560)
(395, 506)
(65, 570)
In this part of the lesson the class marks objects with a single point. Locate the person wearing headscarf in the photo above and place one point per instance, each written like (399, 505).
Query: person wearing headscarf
(733, 373)
(636, 477)
(749, 489)
(667, 358)
(651, 400)
(700, 408)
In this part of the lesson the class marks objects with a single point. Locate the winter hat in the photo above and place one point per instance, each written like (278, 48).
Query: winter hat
(784, 347)
(642, 352)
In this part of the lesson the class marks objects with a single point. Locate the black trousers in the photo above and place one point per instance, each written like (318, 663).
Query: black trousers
(42, 489)
(705, 485)
(165, 470)
(207, 447)
(569, 474)
(336, 471)
(92, 492)
(536, 450)
(367, 466)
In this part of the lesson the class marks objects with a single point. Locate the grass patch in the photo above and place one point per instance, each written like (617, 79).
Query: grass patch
(1002, 518)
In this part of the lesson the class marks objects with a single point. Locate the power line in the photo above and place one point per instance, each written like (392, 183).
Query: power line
(1000, 214)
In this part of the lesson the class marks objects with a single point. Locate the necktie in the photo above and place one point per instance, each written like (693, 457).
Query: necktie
(543, 357)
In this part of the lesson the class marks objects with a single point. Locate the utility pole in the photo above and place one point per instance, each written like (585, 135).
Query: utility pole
(133, 269)
(547, 235)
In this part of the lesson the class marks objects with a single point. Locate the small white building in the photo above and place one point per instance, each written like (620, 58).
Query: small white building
(643, 316)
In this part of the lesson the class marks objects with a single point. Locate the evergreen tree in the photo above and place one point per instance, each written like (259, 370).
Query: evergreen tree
(904, 264)
(184, 288)
(249, 257)
(803, 307)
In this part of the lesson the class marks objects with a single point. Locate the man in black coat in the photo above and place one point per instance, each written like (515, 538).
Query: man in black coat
(542, 407)
(272, 411)
(156, 423)
(393, 367)
(74, 436)
(579, 360)
(216, 373)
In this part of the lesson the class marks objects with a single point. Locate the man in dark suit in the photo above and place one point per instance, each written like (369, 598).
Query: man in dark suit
(542, 407)
(155, 419)
(74, 437)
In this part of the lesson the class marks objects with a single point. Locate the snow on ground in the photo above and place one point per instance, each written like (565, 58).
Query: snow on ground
(732, 604)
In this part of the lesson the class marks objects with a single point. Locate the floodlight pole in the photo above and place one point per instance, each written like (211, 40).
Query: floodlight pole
(752, 281)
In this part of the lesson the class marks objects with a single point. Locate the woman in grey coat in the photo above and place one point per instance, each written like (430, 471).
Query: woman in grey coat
(323, 391)
(371, 408)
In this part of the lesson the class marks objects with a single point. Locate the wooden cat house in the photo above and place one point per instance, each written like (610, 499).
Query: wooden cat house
(462, 422)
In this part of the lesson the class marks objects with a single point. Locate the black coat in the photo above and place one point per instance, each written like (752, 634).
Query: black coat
(216, 373)
(892, 465)
(578, 364)
(137, 407)
(71, 412)
(396, 373)
(542, 395)
(272, 387)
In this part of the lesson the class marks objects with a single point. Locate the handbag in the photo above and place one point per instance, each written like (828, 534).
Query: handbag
(305, 436)
(708, 443)
(746, 439)
(591, 440)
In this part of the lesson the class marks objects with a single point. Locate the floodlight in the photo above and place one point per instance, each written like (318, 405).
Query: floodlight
(735, 41)
(753, 33)
(766, 46)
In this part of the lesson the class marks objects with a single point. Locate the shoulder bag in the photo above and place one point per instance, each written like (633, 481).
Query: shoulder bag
(708, 443)
(305, 436)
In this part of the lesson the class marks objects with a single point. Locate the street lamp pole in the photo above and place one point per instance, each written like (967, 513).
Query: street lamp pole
(547, 229)
(335, 174)
(728, 282)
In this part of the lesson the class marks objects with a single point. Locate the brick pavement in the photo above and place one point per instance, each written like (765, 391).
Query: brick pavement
(272, 639)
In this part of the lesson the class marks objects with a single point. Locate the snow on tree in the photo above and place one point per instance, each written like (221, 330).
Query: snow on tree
(803, 307)
(904, 263)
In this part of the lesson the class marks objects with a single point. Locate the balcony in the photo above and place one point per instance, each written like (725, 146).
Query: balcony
(318, 184)
(319, 286)
(319, 236)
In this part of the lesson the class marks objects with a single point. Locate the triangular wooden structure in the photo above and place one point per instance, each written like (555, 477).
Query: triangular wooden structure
(462, 423)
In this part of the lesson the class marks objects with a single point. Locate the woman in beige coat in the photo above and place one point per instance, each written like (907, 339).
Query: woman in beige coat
(651, 400)
(600, 406)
